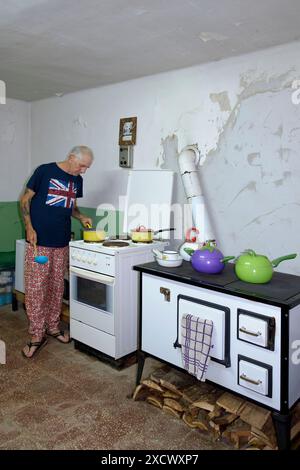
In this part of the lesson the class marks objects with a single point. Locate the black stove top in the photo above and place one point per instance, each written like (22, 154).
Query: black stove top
(283, 289)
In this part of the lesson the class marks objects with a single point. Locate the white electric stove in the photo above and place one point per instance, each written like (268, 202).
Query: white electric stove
(103, 285)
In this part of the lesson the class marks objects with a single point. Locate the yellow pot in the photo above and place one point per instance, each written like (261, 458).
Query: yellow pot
(91, 235)
(143, 236)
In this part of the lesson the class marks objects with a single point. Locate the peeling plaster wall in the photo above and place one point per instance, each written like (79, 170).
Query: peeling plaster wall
(240, 113)
(14, 148)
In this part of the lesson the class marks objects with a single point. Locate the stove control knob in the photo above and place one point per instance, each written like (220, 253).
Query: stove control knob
(95, 260)
(83, 259)
(89, 260)
(78, 258)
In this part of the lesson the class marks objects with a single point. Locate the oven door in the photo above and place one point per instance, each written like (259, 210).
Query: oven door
(92, 299)
(220, 316)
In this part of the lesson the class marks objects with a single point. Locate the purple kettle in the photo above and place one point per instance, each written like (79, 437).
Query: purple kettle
(208, 259)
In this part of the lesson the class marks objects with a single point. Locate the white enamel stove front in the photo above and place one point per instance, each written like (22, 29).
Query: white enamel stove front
(246, 338)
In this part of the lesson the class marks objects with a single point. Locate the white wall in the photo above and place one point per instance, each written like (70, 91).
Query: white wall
(14, 148)
(240, 113)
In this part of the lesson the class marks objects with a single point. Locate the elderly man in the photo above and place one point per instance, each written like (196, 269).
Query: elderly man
(47, 205)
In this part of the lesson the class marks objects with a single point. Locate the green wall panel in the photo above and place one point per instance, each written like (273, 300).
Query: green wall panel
(12, 229)
(11, 226)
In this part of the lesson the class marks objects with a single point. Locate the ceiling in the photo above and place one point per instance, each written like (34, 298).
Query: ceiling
(50, 47)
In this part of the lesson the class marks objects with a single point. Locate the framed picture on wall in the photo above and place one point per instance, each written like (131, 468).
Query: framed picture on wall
(127, 133)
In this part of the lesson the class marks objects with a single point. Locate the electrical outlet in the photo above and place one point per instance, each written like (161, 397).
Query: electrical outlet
(126, 156)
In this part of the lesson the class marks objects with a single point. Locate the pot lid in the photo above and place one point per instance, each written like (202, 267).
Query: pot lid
(148, 200)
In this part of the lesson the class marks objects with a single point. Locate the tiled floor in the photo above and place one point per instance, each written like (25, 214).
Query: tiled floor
(65, 399)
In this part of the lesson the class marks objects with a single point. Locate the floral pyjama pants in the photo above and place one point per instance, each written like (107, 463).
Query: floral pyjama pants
(44, 288)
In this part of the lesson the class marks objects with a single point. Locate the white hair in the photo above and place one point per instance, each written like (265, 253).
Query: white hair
(79, 151)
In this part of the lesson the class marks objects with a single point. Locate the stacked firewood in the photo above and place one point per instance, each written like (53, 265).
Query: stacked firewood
(207, 408)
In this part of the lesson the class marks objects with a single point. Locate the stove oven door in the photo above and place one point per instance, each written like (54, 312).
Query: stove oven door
(92, 299)
(218, 314)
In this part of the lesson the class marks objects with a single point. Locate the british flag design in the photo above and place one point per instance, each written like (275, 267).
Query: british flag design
(61, 193)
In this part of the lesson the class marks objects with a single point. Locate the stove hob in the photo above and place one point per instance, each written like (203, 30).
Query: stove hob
(112, 244)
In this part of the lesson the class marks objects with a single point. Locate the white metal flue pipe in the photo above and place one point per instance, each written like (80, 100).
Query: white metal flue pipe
(188, 160)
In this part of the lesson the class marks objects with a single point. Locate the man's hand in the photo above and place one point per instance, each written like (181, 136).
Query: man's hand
(31, 236)
(81, 217)
(86, 220)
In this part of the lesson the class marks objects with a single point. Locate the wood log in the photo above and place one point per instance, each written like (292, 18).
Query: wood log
(196, 391)
(188, 419)
(208, 400)
(218, 428)
(238, 433)
(217, 411)
(159, 373)
(155, 399)
(256, 442)
(240, 439)
(170, 394)
(295, 416)
(225, 419)
(231, 403)
(268, 439)
(201, 421)
(220, 423)
(177, 381)
(175, 404)
(171, 411)
(140, 393)
(151, 384)
(295, 430)
(256, 416)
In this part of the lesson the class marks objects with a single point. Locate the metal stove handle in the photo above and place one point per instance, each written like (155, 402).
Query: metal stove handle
(248, 332)
(93, 276)
(251, 381)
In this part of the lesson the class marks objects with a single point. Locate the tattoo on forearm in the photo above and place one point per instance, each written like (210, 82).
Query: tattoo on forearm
(25, 209)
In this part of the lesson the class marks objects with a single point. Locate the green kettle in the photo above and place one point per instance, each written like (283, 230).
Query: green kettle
(257, 269)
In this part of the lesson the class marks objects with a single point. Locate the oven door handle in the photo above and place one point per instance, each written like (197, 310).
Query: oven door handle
(93, 276)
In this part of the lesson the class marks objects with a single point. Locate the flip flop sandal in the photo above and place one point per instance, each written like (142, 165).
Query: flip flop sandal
(57, 334)
(38, 344)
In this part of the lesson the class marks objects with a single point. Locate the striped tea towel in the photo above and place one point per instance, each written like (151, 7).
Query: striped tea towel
(196, 335)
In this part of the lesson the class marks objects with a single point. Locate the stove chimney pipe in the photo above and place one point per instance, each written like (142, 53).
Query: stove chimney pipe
(188, 160)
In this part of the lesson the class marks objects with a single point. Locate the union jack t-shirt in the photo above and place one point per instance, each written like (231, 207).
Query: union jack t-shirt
(61, 193)
(51, 207)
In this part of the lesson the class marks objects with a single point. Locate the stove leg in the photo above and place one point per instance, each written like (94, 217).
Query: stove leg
(282, 425)
(141, 361)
